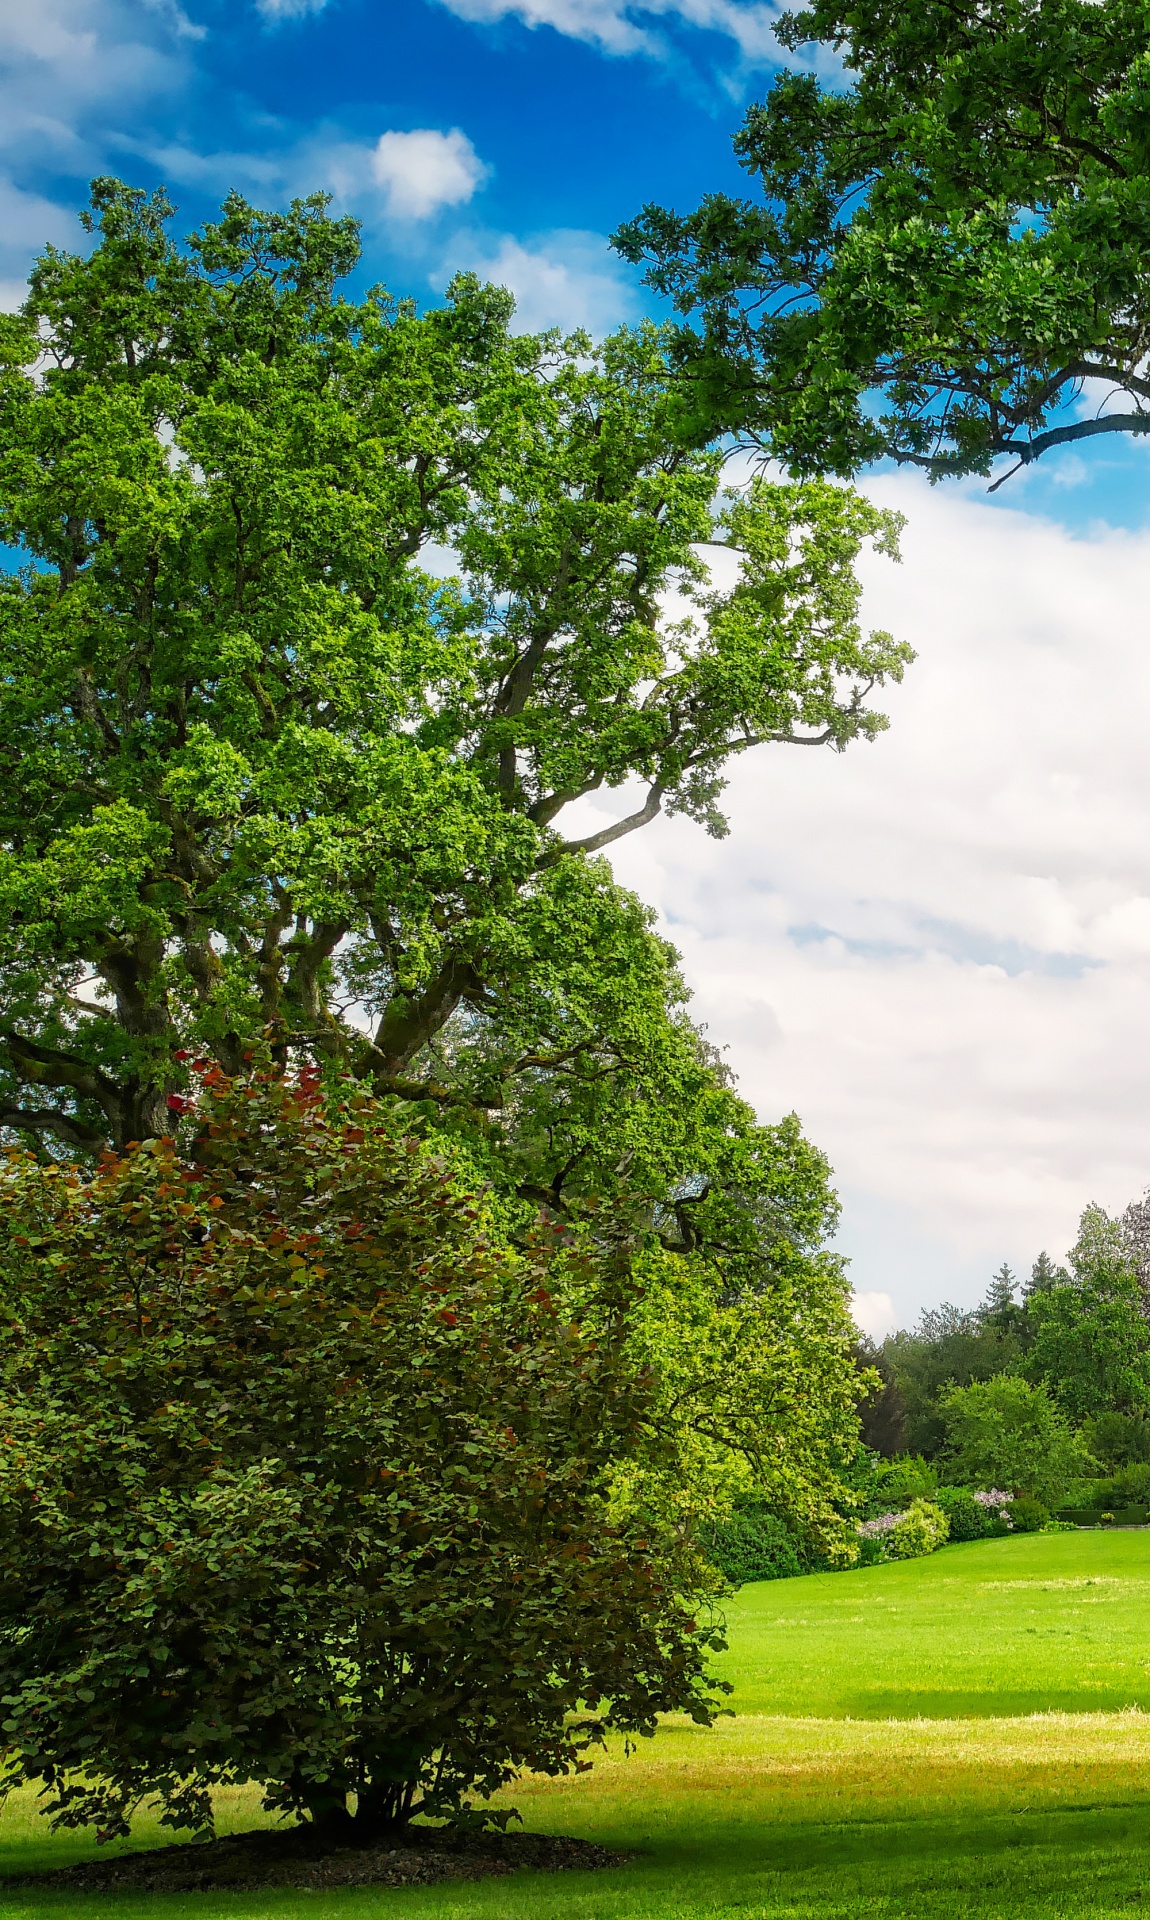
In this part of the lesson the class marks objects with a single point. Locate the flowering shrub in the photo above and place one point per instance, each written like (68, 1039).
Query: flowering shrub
(903, 1536)
(918, 1531)
(993, 1497)
(876, 1529)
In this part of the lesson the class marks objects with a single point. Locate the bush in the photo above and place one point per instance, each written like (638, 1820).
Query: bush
(753, 1544)
(305, 1482)
(966, 1517)
(1007, 1433)
(920, 1530)
(885, 1485)
(1028, 1516)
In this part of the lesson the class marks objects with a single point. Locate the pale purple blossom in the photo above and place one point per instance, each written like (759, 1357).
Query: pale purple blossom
(996, 1501)
(874, 1529)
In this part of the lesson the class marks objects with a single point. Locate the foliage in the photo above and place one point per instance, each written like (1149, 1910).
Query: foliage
(1091, 1340)
(1029, 1516)
(920, 1530)
(306, 1478)
(1128, 1487)
(1118, 1439)
(1010, 1433)
(950, 1346)
(877, 1485)
(755, 1385)
(330, 610)
(966, 1517)
(882, 1414)
(270, 776)
(1081, 1331)
(753, 1544)
(949, 248)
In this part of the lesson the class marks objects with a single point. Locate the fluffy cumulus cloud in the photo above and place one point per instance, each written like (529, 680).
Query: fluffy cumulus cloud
(420, 172)
(629, 26)
(561, 279)
(400, 178)
(936, 948)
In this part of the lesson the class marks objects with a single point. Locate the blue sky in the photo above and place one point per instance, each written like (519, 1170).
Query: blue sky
(936, 948)
(548, 134)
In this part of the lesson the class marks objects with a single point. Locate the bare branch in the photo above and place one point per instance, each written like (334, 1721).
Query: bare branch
(651, 807)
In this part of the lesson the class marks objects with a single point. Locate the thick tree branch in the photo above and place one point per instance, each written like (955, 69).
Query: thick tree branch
(88, 704)
(411, 1020)
(650, 809)
(52, 1067)
(1031, 450)
(48, 1120)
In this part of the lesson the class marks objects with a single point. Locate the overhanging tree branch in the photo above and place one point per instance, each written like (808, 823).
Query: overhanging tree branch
(65, 1126)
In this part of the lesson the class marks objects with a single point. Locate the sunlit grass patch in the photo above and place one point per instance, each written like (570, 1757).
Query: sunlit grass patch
(998, 1628)
(818, 1812)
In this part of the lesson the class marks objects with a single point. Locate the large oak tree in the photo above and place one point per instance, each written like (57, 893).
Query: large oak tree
(328, 613)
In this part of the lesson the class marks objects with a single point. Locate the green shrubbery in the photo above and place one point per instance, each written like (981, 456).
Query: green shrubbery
(307, 1480)
(967, 1518)
(753, 1544)
(921, 1530)
(1028, 1515)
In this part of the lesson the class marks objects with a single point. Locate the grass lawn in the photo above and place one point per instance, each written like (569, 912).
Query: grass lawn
(964, 1735)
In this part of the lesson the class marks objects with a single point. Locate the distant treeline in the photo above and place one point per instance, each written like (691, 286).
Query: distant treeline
(1078, 1335)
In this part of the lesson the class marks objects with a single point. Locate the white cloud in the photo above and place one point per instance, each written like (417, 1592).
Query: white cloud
(401, 177)
(277, 10)
(563, 279)
(874, 1314)
(937, 948)
(622, 26)
(422, 171)
(71, 71)
(65, 63)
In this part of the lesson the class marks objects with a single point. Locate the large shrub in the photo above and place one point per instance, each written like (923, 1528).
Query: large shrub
(894, 1483)
(922, 1529)
(1027, 1515)
(304, 1481)
(1007, 1433)
(752, 1544)
(967, 1518)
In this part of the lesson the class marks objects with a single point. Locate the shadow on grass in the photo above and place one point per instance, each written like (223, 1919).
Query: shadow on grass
(1079, 1864)
(882, 1843)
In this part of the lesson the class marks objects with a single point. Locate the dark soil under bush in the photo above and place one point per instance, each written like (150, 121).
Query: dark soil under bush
(274, 1858)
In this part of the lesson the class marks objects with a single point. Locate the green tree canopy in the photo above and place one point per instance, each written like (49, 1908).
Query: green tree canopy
(307, 1478)
(1008, 1433)
(271, 777)
(1091, 1340)
(950, 1346)
(948, 249)
(328, 611)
